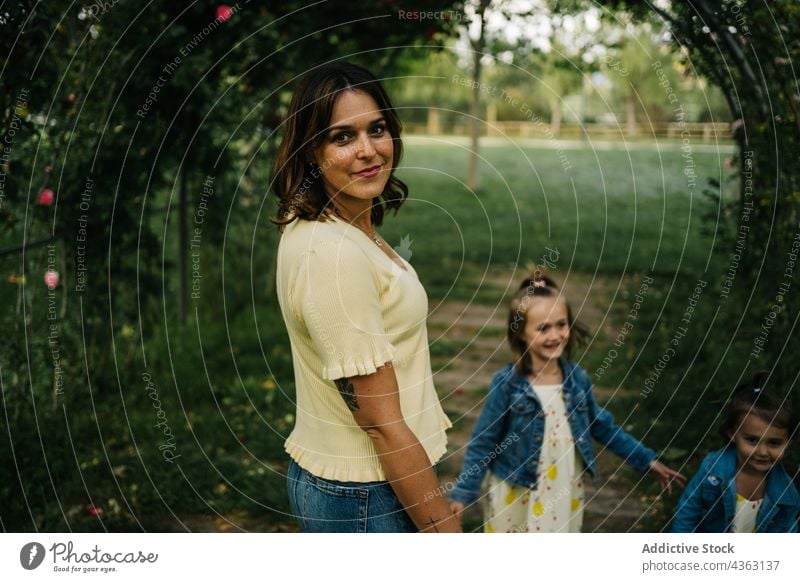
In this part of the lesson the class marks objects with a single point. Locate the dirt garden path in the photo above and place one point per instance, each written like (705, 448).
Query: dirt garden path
(468, 345)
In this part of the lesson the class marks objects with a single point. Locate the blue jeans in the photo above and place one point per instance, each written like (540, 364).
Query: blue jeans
(321, 505)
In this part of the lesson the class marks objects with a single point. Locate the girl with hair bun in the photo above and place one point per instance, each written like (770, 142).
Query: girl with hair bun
(534, 434)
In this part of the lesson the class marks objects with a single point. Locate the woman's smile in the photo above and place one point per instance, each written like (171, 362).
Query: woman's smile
(369, 172)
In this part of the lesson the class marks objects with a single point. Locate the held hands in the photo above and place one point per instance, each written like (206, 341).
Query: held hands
(457, 508)
(665, 476)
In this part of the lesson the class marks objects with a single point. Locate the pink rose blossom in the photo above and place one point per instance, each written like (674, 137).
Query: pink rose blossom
(224, 12)
(51, 279)
(46, 197)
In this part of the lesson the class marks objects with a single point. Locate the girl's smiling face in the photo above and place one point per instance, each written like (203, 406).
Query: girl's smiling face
(546, 329)
(357, 151)
(759, 444)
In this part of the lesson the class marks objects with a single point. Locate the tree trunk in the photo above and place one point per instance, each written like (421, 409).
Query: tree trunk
(630, 114)
(478, 46)
(183, 245)
(584, 107)
(555, 118)
(434, 125)
(473, 178)
(491, 119)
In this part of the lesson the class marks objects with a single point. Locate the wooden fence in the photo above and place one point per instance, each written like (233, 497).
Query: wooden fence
(705, 132)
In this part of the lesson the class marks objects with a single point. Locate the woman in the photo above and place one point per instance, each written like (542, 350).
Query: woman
(369, 424)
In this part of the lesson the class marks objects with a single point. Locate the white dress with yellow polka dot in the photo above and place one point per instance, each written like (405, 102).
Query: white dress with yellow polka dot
(556, 505)
(744, 520)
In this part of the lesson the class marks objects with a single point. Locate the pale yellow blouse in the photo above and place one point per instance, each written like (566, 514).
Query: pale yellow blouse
(349, 309)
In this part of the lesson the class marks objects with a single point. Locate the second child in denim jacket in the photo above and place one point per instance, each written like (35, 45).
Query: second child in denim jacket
(743, 487)
(534, 434)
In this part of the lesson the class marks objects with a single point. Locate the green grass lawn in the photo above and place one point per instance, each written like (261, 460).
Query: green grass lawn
(613, 209)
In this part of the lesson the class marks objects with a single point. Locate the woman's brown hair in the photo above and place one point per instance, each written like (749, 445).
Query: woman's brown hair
(295, 177)
(537, 285)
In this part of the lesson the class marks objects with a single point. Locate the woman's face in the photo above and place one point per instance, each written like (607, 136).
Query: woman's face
(356, 155)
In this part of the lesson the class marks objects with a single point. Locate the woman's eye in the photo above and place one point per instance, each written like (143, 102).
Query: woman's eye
(340, 138)
(379, 130)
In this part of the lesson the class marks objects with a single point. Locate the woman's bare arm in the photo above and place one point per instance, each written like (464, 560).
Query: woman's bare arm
(375, 403)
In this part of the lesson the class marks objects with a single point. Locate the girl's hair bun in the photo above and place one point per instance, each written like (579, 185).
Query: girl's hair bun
(758, 382)
(538, 280)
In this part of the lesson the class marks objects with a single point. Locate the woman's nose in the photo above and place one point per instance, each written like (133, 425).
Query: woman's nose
(365, 147)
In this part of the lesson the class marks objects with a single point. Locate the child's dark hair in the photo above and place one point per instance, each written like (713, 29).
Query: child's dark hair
(537, 285)
(752, 397)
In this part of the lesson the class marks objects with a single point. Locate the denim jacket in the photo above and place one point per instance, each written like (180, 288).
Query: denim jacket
(507, 440)
(708, 504)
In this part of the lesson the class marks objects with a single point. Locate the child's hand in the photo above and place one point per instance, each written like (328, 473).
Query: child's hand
(457, 508)
(665, 476)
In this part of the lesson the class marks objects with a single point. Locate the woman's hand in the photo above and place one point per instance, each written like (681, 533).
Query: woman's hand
(666, 476)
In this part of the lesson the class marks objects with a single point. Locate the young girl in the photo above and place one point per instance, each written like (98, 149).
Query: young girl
(743, 487)
(534, 434)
